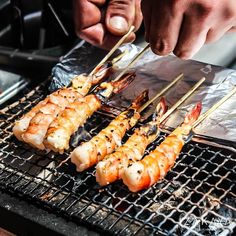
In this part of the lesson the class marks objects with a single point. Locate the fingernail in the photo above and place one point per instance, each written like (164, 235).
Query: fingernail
(119, 23)
(182, 55)
(161, 47)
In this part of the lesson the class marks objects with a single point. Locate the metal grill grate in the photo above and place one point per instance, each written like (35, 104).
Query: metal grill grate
(197, 197)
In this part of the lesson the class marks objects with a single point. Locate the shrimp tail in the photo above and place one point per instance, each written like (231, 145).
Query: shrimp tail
(106, 89)
(140, 100)
(101, 72)
(154, 166)
(193, 115)
(122, 83)
(136, 104)
(107, 140)
(151, 128)
(112, 167)
(160, 110)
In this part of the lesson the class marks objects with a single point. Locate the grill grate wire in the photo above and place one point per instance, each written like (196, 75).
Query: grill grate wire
(197, 197)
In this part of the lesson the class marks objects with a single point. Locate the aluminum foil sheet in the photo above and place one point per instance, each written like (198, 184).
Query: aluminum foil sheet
(81, 59)
(154, 73)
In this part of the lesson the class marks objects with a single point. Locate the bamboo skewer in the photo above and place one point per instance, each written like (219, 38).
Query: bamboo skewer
(136, 58)
(181, 100)
(161, 92)
(146, 104)
(113, 49)
(214, 107)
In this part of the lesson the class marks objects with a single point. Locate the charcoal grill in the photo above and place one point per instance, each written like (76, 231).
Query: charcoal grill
(197, 197)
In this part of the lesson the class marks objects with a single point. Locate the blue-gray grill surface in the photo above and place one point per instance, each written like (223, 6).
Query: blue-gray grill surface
(197, 197)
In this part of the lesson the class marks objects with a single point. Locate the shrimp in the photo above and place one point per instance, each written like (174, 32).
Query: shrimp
(33, 126)
(83, 82)
(111, 168)
(153, 167)
(105, 142)
(22, 125)
(75, 114)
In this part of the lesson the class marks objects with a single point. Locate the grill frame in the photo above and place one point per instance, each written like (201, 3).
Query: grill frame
(125, 213)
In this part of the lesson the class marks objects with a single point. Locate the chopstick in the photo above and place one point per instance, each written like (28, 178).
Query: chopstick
(117, 45)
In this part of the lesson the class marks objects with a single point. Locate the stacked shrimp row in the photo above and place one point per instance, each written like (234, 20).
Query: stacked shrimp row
(126, 161)
(41, 126)
(52, 122)
(105, 142)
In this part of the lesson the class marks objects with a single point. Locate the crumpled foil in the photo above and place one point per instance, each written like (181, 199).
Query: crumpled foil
(154, 73)
(81, 59)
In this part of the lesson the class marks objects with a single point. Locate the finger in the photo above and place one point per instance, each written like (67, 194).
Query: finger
(225, 22)
(147, 13)
(232, 29)
(100, 37)
(214, 34)
(98, 2)
(192, 36)
(138, 15)
(120, 16)
(165, 26)
(86, 13)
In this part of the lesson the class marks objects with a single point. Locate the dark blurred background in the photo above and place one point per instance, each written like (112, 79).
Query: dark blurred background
(35, 34)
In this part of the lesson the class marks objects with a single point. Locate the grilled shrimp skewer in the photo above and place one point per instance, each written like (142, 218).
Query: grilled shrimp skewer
(61, 96)
(33, 126)
(81, 85)
(76, 114)
(105, 142)
(153, 167)
(112, 167)
(88, 154)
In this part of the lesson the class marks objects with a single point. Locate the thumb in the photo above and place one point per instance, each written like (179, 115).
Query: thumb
(120, 15)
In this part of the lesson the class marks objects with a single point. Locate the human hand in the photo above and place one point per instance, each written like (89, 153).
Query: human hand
(102, 22)
(184, 26)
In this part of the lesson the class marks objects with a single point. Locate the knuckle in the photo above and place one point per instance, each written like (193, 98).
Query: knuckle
(175, 3)
(175, 6)
(229, 14)
(204, 9)
(125, 8)
(203, 12)
(121, 4)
